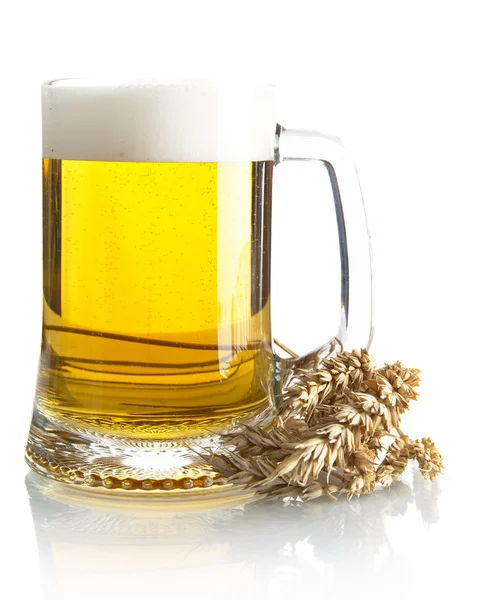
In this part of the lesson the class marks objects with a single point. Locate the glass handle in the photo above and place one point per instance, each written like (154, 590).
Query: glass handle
(356, 286)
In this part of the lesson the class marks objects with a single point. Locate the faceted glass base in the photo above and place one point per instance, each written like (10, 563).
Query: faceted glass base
(106, 462)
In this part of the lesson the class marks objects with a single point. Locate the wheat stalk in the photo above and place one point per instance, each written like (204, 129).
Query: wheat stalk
(327, 439)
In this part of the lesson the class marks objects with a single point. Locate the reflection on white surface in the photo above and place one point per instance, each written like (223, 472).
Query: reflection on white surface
(95, 547)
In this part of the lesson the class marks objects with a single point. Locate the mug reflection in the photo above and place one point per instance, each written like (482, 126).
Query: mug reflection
(90, 545)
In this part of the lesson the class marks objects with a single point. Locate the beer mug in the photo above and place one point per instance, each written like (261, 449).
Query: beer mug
(156, 276)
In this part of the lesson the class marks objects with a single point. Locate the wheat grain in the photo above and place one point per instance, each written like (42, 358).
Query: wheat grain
(327, 439)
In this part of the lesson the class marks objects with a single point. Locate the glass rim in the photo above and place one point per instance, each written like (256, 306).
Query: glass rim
(160, 82)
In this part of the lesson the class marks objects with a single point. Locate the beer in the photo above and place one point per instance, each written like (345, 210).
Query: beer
(156, 318)
(156, 273)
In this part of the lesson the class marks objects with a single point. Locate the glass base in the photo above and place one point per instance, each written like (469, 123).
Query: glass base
(106, 462)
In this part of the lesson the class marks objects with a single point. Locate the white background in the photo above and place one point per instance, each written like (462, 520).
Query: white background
(413, 90)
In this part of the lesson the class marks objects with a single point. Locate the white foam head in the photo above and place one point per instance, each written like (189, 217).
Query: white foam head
(158, 121)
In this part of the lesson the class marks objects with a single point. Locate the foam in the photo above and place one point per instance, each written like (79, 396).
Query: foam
(157, 121)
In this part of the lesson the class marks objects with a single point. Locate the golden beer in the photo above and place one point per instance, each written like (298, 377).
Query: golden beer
(156, 295)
